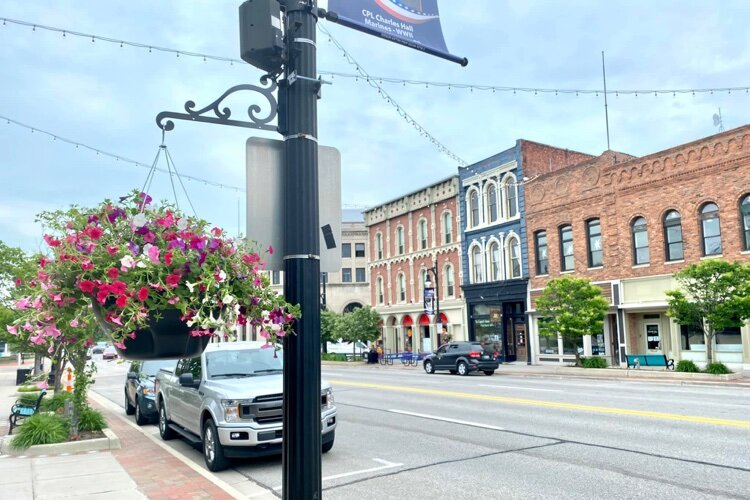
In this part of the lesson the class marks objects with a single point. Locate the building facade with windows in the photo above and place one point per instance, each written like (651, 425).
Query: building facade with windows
(628, 224)
(494, 245)
(408, 236)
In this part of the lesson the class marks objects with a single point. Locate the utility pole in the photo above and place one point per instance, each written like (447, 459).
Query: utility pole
(301, 478)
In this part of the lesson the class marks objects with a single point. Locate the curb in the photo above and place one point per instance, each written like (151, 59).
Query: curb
(109, 442)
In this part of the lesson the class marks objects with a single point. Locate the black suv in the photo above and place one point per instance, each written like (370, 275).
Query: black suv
(462, 358)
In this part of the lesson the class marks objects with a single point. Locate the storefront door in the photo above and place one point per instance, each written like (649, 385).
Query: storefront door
(653, 337)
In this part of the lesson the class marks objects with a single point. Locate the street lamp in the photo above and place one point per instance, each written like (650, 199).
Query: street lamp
(433, 294)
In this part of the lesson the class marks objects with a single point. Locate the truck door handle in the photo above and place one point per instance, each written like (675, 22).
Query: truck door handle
(200, 392)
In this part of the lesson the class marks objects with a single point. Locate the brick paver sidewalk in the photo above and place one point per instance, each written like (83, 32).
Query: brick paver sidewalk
(159, 475)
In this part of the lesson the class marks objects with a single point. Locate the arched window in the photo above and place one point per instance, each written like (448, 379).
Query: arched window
(474, 208)
(422, 234)
(401, 287)
(492, 203)
(381, 297)
(476, 265)
(447, 228)
(542, 262)
(379, 244)
(674, 248)
(510, 192)
(567, 260)
(494, 271)
(400, 240)
(514, 257)
(450, 281)
(594, 235)
(711, 230)
(745, 221)
(640, 241)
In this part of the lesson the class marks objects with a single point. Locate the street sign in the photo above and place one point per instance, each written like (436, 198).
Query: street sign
(265, 201)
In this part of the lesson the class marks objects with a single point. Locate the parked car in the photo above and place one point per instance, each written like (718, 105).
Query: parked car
(140, 399)
(348, 348)
(229, 399)
(97, 349)
(109, 353)
(462, 358)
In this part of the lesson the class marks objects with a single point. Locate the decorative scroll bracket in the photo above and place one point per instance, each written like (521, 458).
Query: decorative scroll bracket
(223, 115)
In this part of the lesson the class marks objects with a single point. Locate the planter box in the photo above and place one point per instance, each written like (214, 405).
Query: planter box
(644, 374)
(109, 442)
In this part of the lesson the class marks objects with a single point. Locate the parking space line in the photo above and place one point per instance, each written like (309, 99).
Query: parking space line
(449, 420)
(386, 465)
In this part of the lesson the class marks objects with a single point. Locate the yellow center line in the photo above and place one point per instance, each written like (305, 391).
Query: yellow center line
(548, 404)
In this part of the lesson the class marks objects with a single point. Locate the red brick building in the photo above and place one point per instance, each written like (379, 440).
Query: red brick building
(628, 224)
(408, 236)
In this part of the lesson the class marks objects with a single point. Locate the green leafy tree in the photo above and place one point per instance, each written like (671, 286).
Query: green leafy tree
(714, 294)
(572, 308)
(360, 325)
(328, 321)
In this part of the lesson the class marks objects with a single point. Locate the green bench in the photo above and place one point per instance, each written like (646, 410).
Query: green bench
(21, 410)
(639, 360)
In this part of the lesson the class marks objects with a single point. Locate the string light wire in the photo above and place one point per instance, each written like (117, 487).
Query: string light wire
(383, 79)
(117, 157)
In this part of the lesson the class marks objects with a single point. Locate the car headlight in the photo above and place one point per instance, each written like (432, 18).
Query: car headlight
(146, 390)
(328, 398)
(231, 410)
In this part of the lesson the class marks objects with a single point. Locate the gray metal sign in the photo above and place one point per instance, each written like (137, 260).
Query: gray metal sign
(265, 201)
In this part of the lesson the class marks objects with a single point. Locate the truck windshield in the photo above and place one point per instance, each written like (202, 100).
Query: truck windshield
(243, 363)
(151, 368)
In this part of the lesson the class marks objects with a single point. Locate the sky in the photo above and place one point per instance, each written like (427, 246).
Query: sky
(107, 97)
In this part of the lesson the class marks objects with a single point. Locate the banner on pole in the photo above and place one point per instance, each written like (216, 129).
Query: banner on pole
(414, 23)
(429, 301)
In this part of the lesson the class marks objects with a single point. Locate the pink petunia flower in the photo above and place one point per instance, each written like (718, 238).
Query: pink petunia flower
(13, 330)
(153, 254)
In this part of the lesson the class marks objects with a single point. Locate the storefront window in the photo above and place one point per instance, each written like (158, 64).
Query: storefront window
(729, 339)
(692, 338)
(548, 345)
(598, 346)
(570, 345)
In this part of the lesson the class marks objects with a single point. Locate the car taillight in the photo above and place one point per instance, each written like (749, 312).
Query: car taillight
(474, 354)
(496, 354)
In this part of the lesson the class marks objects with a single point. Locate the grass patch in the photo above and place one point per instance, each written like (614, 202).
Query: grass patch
(332, 356)
(718, 369)
(40, 429)
(594, 362)
(686, 366)
(91, 420)
(28, 388)
(56, 402)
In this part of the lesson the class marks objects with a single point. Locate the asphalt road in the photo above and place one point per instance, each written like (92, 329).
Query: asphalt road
(404, 434)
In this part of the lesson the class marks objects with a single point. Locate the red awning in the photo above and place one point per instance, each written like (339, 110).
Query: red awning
(443, 319)
(424, 320)
(407, 321)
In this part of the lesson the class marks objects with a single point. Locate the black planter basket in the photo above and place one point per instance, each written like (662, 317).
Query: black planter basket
(166, 338)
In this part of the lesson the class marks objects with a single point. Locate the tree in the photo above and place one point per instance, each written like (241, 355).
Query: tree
(714, 294)
(571, 308)
(362, 324)
(328, 321)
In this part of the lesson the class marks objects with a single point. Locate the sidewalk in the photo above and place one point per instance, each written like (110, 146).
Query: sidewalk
(521, 369)
(143, 468)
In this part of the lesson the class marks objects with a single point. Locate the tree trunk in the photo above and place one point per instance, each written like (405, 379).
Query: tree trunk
(59, 367)
(37, 364)
(79, 392)
(709, 347)
(578, 357)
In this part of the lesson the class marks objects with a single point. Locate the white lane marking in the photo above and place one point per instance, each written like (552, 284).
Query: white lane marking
(386, 465)
(449, 420)
(519, 388)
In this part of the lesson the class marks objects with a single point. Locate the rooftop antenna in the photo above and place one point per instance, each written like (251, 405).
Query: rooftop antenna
(718, 122)
(606, 112)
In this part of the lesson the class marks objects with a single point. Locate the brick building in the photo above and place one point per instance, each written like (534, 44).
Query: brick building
(494, 246)
(408, 236)
(628, 224)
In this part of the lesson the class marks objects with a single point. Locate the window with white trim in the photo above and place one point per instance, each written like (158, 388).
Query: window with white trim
(514, 257)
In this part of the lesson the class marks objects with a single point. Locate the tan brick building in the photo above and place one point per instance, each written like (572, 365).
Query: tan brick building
(628, 224)
(407, 236)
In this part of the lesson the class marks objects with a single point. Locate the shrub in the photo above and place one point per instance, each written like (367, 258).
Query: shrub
(40, 429)
(57, 401)
(594, 362)
(91, 420)
(717, 369)
(28, 388)
(686, 366)
(28, 398)
(332, 356)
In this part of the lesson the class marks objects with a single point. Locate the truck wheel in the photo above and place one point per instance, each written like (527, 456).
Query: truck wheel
(327, 446)
(213, 452)
(139, 418)
(462, 368)
(164, 431)
(129, 410)
(428, 367)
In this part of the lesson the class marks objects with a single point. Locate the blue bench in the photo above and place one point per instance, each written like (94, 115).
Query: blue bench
(21, 410)
(638, 360)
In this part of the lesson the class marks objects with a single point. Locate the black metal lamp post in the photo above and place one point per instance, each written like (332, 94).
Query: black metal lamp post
(427, 285)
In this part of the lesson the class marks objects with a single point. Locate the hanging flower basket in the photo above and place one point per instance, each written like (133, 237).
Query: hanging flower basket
(159, 284)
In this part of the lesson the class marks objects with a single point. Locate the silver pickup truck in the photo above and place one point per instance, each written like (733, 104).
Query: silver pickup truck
(230, 400)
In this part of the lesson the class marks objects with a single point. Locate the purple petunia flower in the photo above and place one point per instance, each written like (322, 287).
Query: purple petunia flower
(115, 214)
(134, 249)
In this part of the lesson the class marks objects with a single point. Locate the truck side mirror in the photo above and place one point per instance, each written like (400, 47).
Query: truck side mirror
(186, 380)
(132, 376)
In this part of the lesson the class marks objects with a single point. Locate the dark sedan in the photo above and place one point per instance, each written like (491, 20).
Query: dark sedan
(139, 389)
(462, 358)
